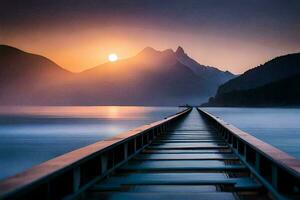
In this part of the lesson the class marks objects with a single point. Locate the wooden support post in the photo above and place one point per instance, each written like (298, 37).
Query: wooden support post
(148, 137)
(48, 192)
(245, 152)
(125, 151)
(153, 134)
(142, 140)
(274, 176)
(234, 142)
(221, 132)
(104, 163)
(76, 179)
(167, 125)
(257, 162)
(134, 150)
(227, 136)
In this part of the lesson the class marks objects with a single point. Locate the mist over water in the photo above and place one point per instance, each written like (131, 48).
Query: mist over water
(32, 135)
(279, 127)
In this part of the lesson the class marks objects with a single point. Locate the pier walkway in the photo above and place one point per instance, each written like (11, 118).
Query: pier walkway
(191, 155)
(189, 161)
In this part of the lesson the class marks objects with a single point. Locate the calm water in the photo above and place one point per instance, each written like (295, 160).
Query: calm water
(277, 126)
(31, 135)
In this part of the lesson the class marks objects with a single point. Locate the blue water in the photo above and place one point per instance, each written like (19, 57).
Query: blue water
(279, 127)
(31, 135)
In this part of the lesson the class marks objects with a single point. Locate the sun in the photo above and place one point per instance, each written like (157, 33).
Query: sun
(112, 57)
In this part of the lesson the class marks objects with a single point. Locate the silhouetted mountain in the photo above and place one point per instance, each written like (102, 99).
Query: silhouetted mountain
(285, 92)
(273, 70)
(150, 78)
(275, 83)
(210, 74)
(23, 74)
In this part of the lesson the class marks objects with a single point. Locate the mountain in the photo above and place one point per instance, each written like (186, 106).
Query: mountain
(150, 78)
(210, 74)
(275, 83)
(285, 92)
(273, 70)
(24, 74)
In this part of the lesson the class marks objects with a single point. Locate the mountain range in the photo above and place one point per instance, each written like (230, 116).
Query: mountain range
(275, 83)
(149, 78)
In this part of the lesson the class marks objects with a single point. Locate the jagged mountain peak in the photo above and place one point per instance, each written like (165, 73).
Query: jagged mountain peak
(206, 72)
(180, 51)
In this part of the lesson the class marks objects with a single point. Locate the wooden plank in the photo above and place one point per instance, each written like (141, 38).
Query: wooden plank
(186, 157)
(157, 142)
(248, 184)
(189, 137)
(192, 134)
(190, 145)
(164, 196)
(173, 188)
(186, 151)
(208, 165)
(191, 130)
(181, 147)
(172, 179)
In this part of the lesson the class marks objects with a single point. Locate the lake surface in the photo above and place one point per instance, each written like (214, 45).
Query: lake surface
(279, 127)
(31, 135)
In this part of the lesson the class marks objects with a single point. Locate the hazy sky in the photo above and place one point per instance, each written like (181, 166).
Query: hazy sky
(232, 35)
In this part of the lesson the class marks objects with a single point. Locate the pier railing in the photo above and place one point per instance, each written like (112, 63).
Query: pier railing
(278, 171)
(66, 176)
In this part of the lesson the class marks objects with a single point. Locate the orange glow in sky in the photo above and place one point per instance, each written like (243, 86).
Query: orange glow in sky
(88, 47)
(79, 35)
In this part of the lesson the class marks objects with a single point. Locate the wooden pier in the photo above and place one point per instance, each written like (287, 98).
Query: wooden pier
(191, 155)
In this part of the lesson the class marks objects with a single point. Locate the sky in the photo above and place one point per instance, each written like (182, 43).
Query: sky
(232, 35)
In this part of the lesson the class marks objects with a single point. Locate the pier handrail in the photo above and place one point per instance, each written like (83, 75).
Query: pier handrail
(277, 170)
(69, 174)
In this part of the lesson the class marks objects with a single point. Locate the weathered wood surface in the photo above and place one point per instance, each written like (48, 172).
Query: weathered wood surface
(189, 161)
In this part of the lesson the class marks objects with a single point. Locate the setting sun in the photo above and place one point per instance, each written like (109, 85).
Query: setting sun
(112, 57)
